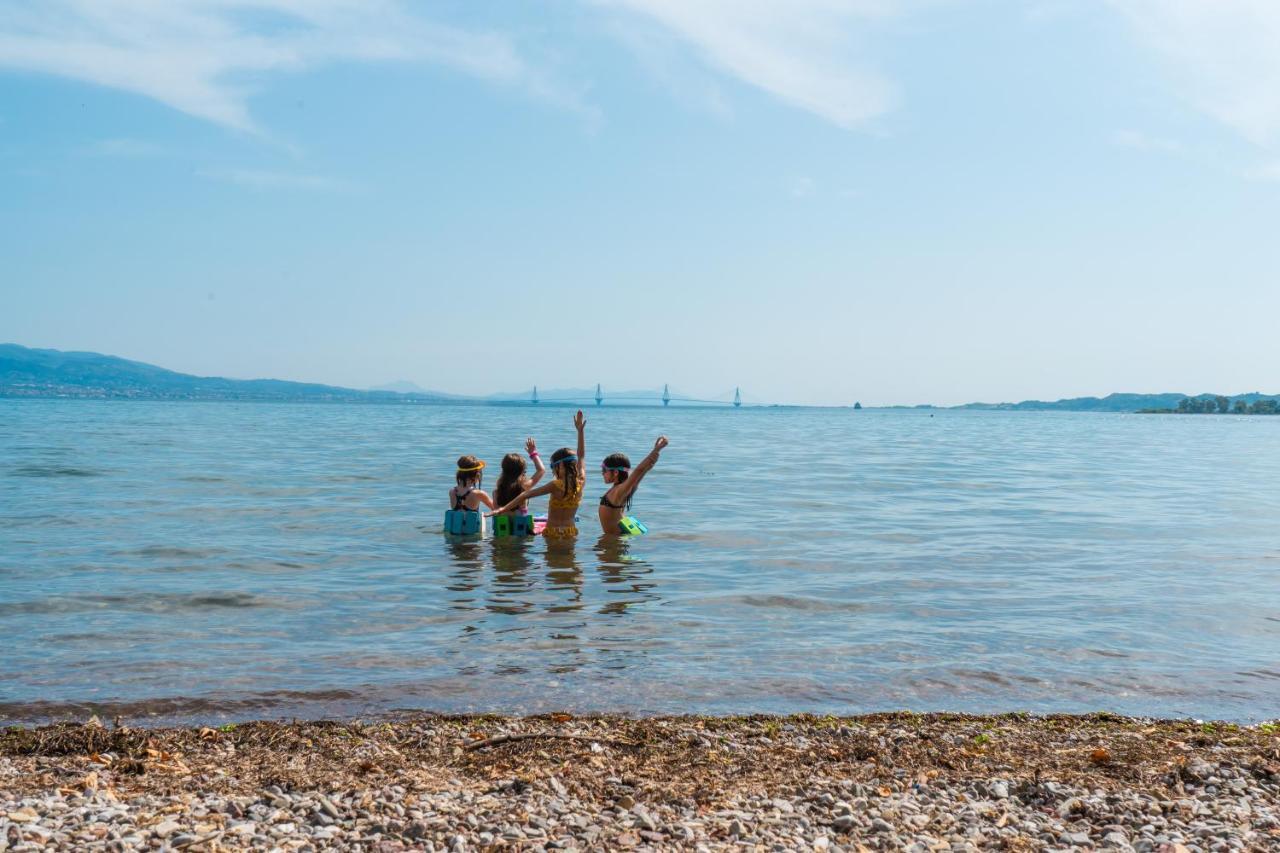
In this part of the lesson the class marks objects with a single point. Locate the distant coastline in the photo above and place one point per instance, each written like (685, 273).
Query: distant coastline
(29, 373)
(55, 374)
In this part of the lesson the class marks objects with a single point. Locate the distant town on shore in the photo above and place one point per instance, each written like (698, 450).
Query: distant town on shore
(26, 372)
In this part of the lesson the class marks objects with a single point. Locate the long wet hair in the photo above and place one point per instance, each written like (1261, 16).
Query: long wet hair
(512, 481)
(470, 478)
(620, 464)
(570, 471)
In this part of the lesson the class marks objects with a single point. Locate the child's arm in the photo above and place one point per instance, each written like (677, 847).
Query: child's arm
(645, 466)
(531, 447)
(522, 497)
(580, 423)
(485, 499)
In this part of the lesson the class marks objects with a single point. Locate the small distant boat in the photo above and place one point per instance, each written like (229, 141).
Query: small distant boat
(737, 397)
(666, 395)
(535, 395)
(599, 395)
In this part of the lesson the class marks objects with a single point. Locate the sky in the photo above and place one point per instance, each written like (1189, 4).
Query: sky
(819, 201)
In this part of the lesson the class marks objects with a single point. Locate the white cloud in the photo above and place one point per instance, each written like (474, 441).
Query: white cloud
(801, 186)
(260, 179)
(203, 56)
(126, 148)
(1144, 142)
(1267, 172)
(669, 62)
(801, 51)
(1225, 55)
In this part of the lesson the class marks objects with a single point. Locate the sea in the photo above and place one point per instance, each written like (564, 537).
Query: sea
(187, 561)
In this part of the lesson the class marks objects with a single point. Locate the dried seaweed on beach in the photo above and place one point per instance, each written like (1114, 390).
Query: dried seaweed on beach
(685, 765)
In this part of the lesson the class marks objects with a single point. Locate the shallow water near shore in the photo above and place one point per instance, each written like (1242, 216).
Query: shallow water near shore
(193, 561)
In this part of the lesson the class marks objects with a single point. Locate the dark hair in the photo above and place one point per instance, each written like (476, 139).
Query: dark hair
(512, 481)
(470, 477)
(572, 470)
(618, 460)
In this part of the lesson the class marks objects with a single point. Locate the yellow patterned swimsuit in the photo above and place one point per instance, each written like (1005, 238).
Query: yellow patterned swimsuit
(570, 502)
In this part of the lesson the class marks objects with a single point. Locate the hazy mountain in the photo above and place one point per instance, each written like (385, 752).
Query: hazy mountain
(26, 372)
(1111, 402)
(401, 386)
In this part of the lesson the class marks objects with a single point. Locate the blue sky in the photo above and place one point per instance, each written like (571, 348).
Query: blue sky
(822, 201)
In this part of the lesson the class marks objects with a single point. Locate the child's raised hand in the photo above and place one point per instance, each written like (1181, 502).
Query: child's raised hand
(580, 420)
(660, 444)
(530, 446)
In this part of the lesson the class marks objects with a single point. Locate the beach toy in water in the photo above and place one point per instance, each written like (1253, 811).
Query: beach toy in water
(513, 525)
(632, 526)
(539, 525)
(463, 522)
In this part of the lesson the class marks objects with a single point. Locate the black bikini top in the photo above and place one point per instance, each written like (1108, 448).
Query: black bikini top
(604, 501)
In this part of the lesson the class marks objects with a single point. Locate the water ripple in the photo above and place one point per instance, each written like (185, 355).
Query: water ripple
(229, 560)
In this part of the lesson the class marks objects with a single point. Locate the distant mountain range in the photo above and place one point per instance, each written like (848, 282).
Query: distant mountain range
(26, 372)
(401, 386)
(1113, 402)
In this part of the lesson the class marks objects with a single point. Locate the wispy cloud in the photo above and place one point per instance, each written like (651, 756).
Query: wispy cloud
(668, 61)
(1267, 172)
(262, 179)
(1140, 141)
(204, 57)
(126, 148)
(801, 186)
(801, 51)
(1224, 54)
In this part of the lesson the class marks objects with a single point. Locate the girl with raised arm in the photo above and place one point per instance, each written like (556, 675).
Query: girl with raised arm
(565, 489)
(615, 504)
(513, 480)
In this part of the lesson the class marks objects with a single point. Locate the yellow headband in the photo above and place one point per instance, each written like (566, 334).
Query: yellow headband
(477, 467)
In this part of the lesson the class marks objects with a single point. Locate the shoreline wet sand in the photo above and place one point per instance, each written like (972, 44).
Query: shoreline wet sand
(926, 782)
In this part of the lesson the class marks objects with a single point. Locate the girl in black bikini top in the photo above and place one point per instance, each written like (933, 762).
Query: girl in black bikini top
(469, 476)
(623, 481)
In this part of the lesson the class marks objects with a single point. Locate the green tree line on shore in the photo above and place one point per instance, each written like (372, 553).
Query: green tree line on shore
(1220, 405)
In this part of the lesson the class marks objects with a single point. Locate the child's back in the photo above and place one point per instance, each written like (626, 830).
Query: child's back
(466, 498)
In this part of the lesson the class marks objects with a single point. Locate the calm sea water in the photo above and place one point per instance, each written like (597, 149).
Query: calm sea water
(223, 561)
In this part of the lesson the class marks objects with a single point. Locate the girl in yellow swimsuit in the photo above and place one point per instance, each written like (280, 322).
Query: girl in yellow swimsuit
(565, 489)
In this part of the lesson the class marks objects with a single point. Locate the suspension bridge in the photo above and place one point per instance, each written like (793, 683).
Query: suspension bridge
(631, 398)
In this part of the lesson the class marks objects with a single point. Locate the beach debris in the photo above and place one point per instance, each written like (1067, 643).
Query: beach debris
(876, 783)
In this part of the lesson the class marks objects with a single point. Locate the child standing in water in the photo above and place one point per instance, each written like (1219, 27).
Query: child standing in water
(623, 481)
(565, 489)
(466, 497)
(512, 481)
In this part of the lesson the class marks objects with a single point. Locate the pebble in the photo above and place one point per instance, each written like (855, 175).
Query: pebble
(1203, 806)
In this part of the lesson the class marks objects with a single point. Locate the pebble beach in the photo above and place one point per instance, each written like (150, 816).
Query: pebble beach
(558, 782)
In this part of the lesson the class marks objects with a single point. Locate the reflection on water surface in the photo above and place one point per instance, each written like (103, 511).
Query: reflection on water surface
(224, 560)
